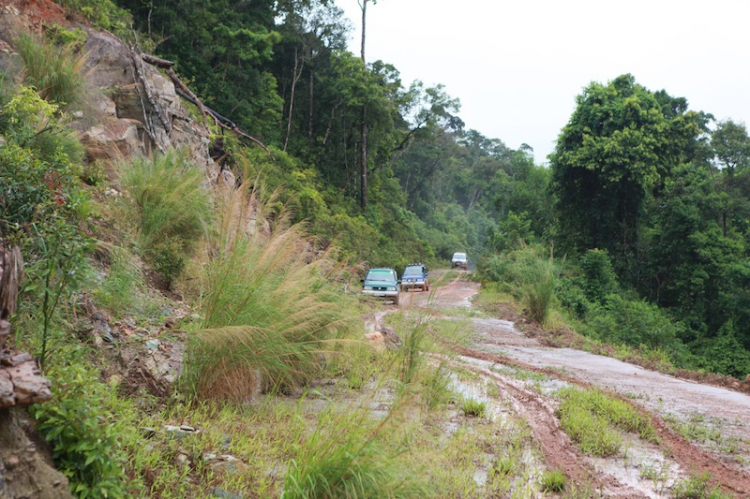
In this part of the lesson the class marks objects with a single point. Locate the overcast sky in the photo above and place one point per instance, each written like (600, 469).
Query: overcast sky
(517, 66)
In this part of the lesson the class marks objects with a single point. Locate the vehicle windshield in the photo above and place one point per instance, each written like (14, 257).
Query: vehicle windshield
(459, 256)
(413, 271)
(380, 275)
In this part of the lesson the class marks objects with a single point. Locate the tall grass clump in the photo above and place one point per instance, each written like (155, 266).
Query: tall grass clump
(55, 71)
(345, 458)
(267, 304)
(171, 207)
(540, 289)
(410, 354)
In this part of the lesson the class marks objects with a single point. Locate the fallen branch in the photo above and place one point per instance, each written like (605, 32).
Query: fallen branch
(183, 91)
(181, 86)
(149, 94)
(227, 124)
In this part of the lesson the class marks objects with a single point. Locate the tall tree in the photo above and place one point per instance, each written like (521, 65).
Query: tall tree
(619, 144)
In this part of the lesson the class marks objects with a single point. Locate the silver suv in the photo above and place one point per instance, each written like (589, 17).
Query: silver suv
(460, 260)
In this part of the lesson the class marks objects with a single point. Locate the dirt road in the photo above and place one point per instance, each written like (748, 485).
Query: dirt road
(719, 418)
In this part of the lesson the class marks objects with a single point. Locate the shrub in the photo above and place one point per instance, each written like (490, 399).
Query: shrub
(633, 323)
(84, 443)
(600, 279)
(102, 13)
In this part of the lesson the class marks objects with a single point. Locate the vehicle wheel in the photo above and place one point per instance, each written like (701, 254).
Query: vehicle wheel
(395, 300)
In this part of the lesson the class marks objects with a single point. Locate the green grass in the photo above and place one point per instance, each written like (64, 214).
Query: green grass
(698, 487)
(344, 458)
(554, 481)
(170, 207)
(267, 306)
(121, 289)
(473, 408)
(590, 418)
(54, 71)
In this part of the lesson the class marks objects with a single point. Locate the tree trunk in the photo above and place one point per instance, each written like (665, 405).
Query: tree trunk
(363, 161)
(298, 63)
(310, 108)
(363, 150)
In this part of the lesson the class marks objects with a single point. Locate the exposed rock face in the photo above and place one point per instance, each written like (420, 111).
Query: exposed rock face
(129, 124)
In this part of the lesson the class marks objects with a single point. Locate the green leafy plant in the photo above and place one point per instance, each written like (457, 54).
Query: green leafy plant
(102, 13)
(84, 444)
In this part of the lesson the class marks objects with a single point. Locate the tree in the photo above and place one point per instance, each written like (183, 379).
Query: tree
(731, 146)
(620, 143)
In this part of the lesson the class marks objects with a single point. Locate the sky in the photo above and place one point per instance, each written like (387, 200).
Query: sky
(517, 66)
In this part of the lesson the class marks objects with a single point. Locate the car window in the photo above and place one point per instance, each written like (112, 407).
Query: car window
(456, 256)
(380, 275)
(409, 271)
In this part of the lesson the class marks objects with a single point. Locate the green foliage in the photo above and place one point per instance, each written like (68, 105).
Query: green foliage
(171, 205)
(540, 291)
(77, 425)
(53, 70)
(33, 123)
(118, 294)
(633, 322)
(723, 354)
(103, 14)
(619, 143)
(527, 275)
(511, 232)
(64, 37)
(554, 481)
(599, 277)
(42, 204)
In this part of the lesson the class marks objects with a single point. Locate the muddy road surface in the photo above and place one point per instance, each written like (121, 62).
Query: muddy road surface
(716, 420)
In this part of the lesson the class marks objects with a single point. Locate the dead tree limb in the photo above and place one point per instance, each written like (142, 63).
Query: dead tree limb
(139, 71)
(157, 61)
(184, 92)
(179, 84)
